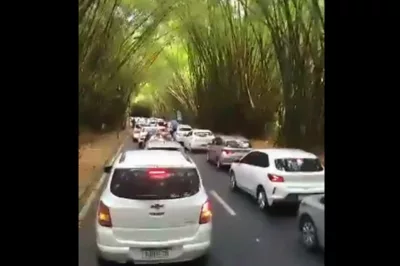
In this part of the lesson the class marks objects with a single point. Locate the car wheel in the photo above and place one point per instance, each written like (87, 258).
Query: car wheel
(203, 260)
(232, 182)
(103, 262)
(261, 199)
(219, 166)
(308, 230)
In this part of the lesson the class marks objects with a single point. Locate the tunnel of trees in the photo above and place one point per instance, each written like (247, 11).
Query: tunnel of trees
(252, 67)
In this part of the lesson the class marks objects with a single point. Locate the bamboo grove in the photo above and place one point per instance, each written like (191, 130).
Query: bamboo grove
(253, 67)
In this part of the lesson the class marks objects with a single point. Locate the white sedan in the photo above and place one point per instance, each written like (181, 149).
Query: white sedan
(276, 176)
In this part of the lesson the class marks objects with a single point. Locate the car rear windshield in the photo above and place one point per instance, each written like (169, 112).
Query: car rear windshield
(184, 129)
(139, 184)
(298, 165)
(202, 134)
(237, 144)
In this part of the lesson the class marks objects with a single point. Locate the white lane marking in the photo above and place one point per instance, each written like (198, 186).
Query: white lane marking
(223, 203)
(92, 197)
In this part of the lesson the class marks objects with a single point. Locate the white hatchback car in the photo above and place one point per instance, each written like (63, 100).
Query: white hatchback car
(198, 139)
(154, 210)
(275, 176)
(180, 133)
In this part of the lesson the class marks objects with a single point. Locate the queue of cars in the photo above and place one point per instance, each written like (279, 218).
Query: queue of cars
(155, 209)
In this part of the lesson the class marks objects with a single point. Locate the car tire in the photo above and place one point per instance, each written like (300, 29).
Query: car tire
(103, 262)
(262, 199)
(232, 182)
(309, 237)
(219, 166)
(202, 261)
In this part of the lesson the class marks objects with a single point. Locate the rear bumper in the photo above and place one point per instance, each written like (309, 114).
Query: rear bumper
(189, 249)
(227, 160)
(188, 252)
(179, 138)
(199, 147)
(292, 195)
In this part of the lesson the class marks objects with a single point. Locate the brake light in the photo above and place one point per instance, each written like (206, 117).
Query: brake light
(158, 173)
(276, 178)
(103, 215)
(227, 152)
(205, 214)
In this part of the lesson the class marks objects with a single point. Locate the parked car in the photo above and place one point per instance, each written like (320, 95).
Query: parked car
(149, 214)
(278, 176)
(198, 139)
(180, 133)
(311, 221)
(224, 150)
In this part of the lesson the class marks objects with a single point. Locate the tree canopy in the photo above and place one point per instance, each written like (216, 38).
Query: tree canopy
(252, 67)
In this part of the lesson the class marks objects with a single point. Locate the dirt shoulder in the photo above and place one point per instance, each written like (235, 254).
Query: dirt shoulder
(94, 151)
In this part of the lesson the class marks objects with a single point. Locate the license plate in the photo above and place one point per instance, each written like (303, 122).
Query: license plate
(152, 254)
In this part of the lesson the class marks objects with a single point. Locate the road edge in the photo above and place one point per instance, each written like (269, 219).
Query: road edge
(93, 194)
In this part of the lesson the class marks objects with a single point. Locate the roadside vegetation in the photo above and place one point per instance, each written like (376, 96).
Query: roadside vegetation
(251, 67)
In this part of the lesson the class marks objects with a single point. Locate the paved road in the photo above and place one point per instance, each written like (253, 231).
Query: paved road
(248, 238)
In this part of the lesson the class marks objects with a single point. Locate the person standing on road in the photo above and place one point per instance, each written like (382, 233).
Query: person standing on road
(174, 127)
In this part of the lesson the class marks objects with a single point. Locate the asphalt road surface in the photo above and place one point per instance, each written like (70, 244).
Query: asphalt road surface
(242, 234)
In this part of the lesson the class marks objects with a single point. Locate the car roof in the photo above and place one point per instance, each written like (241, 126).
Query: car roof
(287, 153)
(183, 125)
(153, 158)
(163, 144)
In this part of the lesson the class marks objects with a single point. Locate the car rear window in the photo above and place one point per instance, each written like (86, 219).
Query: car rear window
(140, 184)
(202, 134)
(237, 144)
(298, 165)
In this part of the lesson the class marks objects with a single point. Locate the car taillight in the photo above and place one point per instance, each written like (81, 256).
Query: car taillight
(205, 214)
(103, 215)
(158, 173)
(276, 178)
(227, 152)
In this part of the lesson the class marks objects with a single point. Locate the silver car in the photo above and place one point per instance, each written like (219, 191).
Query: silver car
(223, 150)
(311, 217)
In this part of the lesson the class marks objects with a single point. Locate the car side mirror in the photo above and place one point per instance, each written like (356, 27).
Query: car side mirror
(107, 169)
